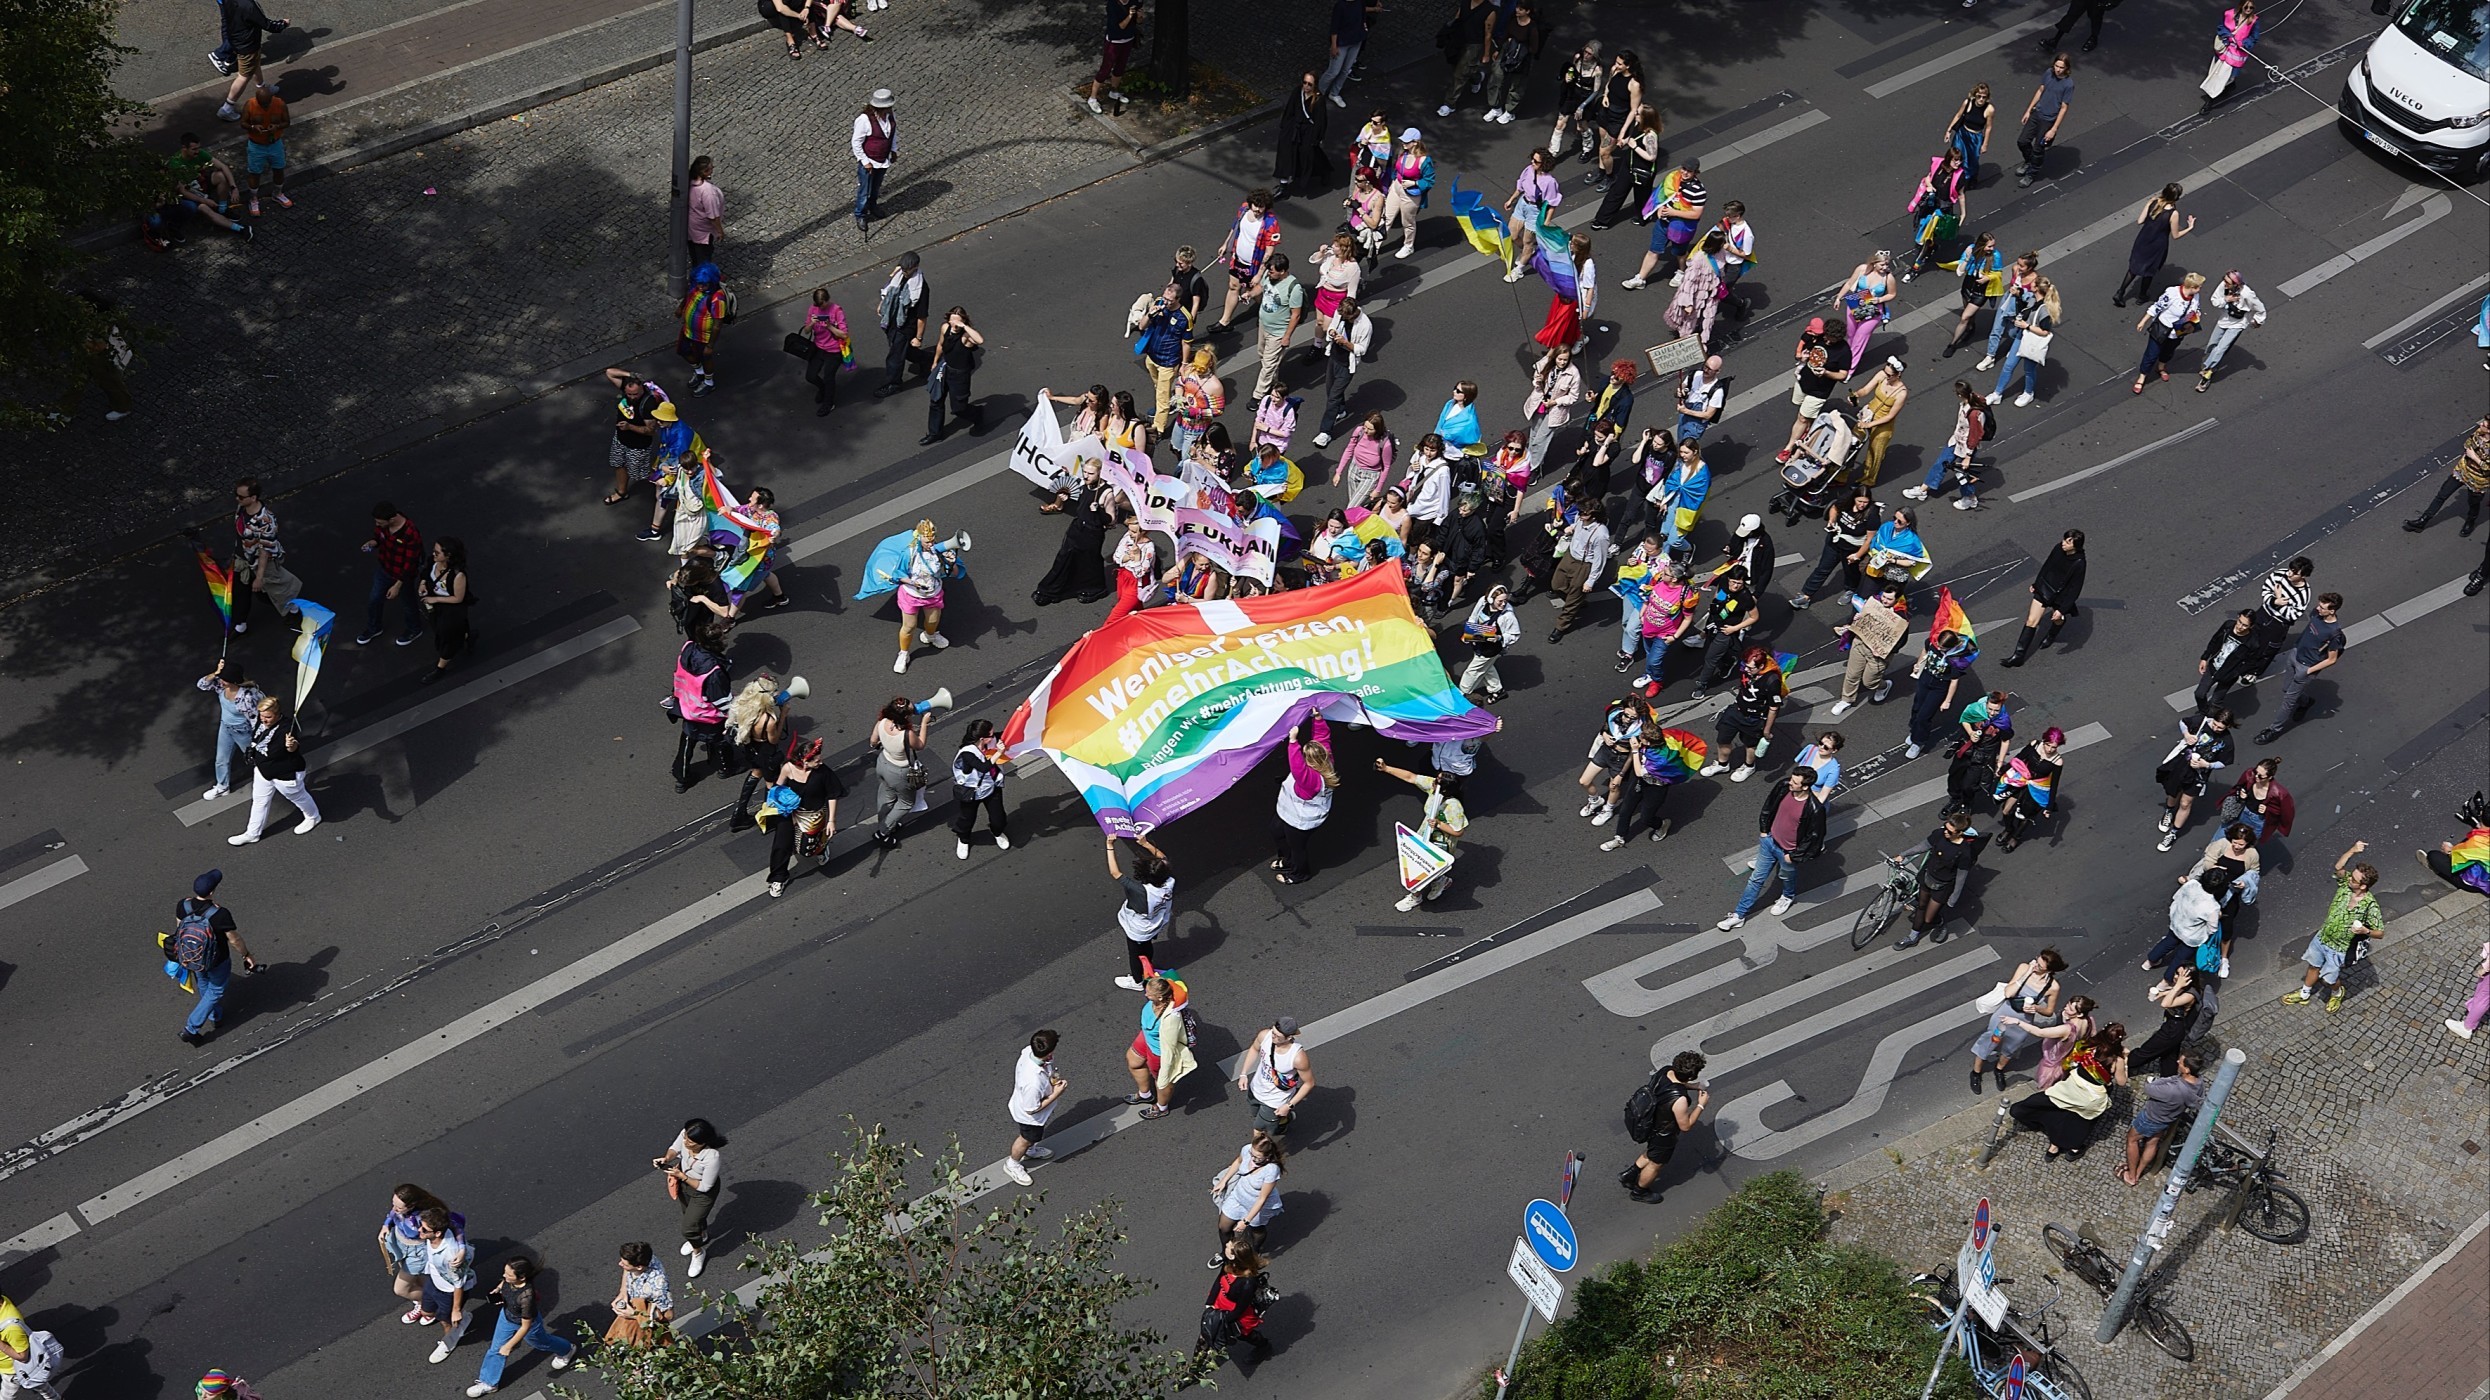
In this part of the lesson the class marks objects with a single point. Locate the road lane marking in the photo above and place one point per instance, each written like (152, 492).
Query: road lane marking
(373, 735)
(1864, 1008)
(42, 1237)
(2426, 312)
(2112, 464)
(2434, 208)
(2403, 614)
(1745, 1114)
(25, 887)
(1954, 58)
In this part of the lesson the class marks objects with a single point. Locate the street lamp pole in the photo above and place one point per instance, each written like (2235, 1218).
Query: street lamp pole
(2114, 1312)
(678, 197)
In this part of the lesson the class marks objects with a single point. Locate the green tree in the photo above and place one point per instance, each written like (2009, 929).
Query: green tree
(66, 161)
(932, 1298)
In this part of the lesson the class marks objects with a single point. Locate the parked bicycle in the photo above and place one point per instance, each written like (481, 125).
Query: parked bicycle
(2257, 1204)
(1901, 891)
(2048, 1375)
(2084, 1257)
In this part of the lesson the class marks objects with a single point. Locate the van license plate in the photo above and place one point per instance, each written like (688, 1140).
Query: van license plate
(2380, 142)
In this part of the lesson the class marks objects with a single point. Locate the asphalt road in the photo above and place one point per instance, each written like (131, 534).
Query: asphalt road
(514, 959)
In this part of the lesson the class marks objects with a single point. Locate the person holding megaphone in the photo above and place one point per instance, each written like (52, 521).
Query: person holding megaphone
(929, 562)
(898, 745)
(756, 723)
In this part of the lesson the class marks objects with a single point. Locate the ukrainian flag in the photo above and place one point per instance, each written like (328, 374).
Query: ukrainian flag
(1481, 223)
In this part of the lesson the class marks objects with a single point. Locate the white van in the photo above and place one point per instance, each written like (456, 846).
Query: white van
(2423, 89)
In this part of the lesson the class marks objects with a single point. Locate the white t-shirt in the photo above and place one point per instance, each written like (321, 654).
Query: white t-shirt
(1237, 1202)
(450, 1264)
(1158, 908)
(1272, 1066)
(1704, 393)
(1031, 1079)
(700, 1166)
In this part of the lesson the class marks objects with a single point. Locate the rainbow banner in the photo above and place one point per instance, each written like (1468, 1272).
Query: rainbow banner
(310, 647)
(220, 585)
(1678, 758)
(1948, 616)
(1481, 223)
(2469, 861)
(1552, 257)
(1161, 711)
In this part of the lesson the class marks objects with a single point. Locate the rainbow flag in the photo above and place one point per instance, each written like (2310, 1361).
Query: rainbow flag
(1678, 758)
(2470, 860)
(310, 647)
(1666, 195)
(1948, 616)
(1552, 257)
(1482, 223)
(2019, 775)
(220, 584)
(1159, 712)
(1785, 662)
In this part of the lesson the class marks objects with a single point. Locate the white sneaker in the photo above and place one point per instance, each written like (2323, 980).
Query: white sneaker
(1128, 984)
(937, 641)
(303, 827)
(480, 1388)
(1115, 96)
(1987, 363)
(1444, 110)
(1910, 750)
(1781, 905)
(688, 1251)
(1711, 768)
(1093, 106)
(1600, 817)
(1915, 493)
(2168, 840)
(1406, 250)
(1016, 1172)
(245, 839)
(1673, 278)
(561, 1363)
(1634, 284)
(440, 1353)
(1588, 808)
(700, 1261)
(2224, 971)
(1506, 118)
(1995, 399)
(1966, 503)
(1612, 843)
(1883, 689)
(1840, 708)
(1492, 114)
(1515, 275)
(776, 889)
(1322, 439)
(2457, 1029)
(215, 792)
(1002, 842)
(1729, 923)
(900, 666)
(241, 627)
(963, 850)
(1744, 772)
(2023, 400)
(1407, 904)
(1338, 101)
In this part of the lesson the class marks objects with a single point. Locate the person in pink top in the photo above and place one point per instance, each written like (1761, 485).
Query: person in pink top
(1365, 458)
(1535, 190)
(1304, 801)
(704, 220)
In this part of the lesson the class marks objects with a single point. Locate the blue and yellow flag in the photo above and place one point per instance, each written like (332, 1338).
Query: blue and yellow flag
(1481, 223)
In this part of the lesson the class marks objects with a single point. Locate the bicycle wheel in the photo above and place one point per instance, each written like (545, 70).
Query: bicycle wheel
(2167, 1332)
(2061, 1373)
(2080, 1259)
(2274, 1213)
(1872, 920)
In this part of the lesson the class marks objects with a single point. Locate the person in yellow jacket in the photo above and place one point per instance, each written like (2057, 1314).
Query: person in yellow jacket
(21, 1371)
(1159, 1054)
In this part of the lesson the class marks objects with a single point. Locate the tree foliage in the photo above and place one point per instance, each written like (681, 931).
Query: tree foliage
(938, 1297)
(66, 161)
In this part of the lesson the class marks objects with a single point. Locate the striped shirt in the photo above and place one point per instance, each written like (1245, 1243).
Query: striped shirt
(2286, 598)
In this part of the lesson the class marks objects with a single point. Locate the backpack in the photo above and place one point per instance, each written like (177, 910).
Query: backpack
(1192, 1025)
(1642, 1111)
(194, 944)
(1988, 424)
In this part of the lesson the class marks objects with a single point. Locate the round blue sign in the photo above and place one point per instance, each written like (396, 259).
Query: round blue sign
(1551, 1235)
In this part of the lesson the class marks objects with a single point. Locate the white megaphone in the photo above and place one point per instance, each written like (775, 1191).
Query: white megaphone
(939, 700)
(960, 542)
(797, 689)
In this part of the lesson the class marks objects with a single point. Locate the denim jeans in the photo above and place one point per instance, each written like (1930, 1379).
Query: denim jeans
(379, 601)
(1769, 858)
(868, 188)
(1336, 376)
(1655, 658)
(1335, 79)
(2219, 346)
(1928, 709)
(1970, 144)
(2171, 946)
(1935, 480)
(229, 741)
(2001, 325)
(2006, 372)
(1691, 429)
(489, 1373)
(1836, 555)
(211, 996)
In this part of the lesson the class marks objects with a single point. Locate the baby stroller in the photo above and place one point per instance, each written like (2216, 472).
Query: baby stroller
(1827, 455)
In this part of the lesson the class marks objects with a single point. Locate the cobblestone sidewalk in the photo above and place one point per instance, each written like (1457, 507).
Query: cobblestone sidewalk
(2383, 1118)
(435, 283)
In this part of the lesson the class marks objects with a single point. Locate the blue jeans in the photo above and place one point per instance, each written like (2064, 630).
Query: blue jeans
(211, 996)
(504, 1329)
(1970, 143)
(868, 188)
(379, 601)
(1655, 658)
(2001, 325)
(229, 741)
(1335, 77)
(1769, 857)
(2171, 946)
(2005, 373)
(2219, 346)
(1935, 480)
(1691, 429)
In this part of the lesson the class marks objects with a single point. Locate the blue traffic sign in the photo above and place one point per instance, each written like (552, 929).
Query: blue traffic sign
(1551, 1235)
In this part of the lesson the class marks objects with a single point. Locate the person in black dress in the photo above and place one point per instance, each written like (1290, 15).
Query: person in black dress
(955, 361)
(1951, 849)
(2157, 226)
(808, 828)
(1300, 161)
(1088, 507)
(2177, 996)
(445, 601)
(2054, 591)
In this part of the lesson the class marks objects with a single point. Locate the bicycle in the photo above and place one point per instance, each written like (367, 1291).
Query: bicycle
(2084, 1257)
(2048, 1374)
(1901, 891)
(2271, 1212)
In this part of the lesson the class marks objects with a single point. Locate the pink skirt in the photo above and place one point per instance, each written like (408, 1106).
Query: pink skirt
(909, 602)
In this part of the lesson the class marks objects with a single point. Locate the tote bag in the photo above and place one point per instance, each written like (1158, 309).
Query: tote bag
(2217, 78)
(2034, 346)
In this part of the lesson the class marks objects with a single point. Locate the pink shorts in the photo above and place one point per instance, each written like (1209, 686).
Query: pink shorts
(909, 602)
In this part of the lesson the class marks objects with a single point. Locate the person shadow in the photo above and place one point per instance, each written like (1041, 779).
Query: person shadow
(278, 987)
(1327, 1115)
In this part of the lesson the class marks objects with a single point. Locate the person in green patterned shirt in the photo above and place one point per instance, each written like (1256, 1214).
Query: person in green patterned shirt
(2354, 914)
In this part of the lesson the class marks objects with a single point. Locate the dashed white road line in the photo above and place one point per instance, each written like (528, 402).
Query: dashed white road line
(27, 886)
(1954, 58)
(2426, 312)
(2122, 459)
(2403, 614)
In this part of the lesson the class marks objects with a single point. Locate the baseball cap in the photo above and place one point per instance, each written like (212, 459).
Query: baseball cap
(1409, 133)
(1286, 1025)
(1815, 325)
(1749, 524)
(206, 884)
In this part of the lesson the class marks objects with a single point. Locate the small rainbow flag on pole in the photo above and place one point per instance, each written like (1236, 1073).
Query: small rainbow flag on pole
(1948, 616)
(220, 585)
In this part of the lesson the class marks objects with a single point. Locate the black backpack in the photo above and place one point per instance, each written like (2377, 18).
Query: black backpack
(1642, 1111)
(194, 940)
(1988, 424)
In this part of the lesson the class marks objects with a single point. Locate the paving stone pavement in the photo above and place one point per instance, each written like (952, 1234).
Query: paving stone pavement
(2383, 1119)
(434, 283)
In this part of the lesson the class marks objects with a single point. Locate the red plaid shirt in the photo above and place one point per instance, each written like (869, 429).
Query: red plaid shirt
(398, 554)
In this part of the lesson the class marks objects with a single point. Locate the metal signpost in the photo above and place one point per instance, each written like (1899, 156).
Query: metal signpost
(2114, 1312)
(1975, 1276)
(1547, 1247)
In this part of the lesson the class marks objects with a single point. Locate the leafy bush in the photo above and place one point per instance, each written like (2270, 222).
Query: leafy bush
(1754, 1303)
